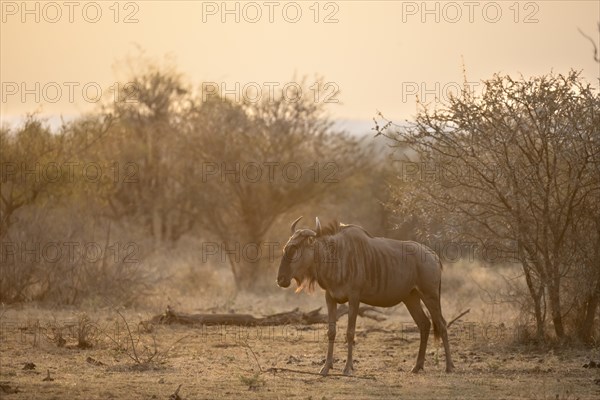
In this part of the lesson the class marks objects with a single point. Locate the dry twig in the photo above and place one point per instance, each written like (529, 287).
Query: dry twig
(457, 318)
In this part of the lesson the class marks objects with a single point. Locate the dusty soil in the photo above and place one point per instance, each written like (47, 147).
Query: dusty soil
(233, 362)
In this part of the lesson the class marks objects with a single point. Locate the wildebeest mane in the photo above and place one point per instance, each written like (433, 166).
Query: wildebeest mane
(362, 262)
(347, 254)
(335, 227)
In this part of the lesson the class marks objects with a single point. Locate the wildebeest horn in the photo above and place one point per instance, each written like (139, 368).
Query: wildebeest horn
(318, 227)
(294, 224)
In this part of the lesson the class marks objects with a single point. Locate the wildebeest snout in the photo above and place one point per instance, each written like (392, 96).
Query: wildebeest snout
(283, 282)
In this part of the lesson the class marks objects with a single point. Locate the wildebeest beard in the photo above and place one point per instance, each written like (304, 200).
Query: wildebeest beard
(306, 280)
(324, 254)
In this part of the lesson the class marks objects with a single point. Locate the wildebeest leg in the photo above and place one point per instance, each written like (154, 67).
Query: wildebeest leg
(435, 309)
(352, 313)
(413, 304)
(331, 327)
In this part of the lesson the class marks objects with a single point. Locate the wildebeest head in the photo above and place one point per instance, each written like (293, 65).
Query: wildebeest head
(298, 257)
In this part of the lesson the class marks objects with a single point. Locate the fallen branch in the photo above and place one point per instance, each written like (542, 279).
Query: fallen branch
(295, 316)
(175, 396)
(457, 318)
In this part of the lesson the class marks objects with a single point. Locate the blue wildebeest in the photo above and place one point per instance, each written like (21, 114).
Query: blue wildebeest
(353, 266)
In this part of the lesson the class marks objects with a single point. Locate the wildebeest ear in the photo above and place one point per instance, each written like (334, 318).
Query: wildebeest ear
(318, 227)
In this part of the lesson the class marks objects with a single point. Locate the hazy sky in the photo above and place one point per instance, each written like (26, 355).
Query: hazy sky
(373, 55)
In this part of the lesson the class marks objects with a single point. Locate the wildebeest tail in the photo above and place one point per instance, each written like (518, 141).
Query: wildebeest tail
(436, 329)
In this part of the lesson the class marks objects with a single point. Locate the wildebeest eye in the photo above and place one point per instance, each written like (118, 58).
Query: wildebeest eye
(289, 252)
(311, 240)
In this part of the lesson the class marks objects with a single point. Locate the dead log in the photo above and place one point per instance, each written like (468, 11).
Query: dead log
(295, 316)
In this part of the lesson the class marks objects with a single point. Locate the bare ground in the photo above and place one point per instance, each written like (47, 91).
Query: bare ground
(276, 362)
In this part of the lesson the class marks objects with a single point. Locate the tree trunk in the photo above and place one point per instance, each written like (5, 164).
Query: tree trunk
(536, 296)
(586, 330)
(539, 316)
(246, 259)
(554, 296)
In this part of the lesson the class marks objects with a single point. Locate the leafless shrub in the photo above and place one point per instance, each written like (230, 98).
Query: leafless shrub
(138, 348)
(86, 332)
(54, 333)
(57, 258)
(518, 168)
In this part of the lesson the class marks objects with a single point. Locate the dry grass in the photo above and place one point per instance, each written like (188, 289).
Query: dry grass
(234, 362)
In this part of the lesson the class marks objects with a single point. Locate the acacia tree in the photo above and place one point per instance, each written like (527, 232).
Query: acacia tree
(517, 166)
(218, 169)
(148, 185)
(254, 162)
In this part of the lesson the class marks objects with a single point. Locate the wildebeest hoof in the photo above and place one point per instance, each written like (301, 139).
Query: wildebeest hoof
(348, 370)
(450, 368)
(325, 370)
(416, 369)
